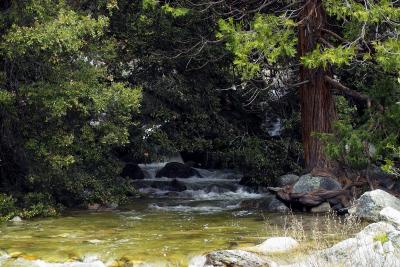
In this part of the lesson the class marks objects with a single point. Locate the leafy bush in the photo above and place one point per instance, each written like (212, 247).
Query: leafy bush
(391, 165)
(32, 205)
(7, 207)
(39, 210)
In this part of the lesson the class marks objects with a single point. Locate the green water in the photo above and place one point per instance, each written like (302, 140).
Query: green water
(136, 233)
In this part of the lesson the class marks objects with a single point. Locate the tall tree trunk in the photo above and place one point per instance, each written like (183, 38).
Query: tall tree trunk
(316, 99)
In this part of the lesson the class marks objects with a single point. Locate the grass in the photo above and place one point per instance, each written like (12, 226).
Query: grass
(312, 232)
(383, 238)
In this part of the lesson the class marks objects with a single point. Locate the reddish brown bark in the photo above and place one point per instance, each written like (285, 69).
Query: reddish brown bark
(316, 99)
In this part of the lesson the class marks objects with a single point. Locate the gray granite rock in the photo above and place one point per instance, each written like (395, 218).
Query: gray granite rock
(234, 258)
(287, 179)
(370, 204)
(308, 183)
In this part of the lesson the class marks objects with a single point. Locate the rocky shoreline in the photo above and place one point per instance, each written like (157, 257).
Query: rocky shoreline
(377, 245)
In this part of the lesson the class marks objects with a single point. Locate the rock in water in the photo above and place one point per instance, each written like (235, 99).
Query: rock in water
(276, 244)
(178, 186)
(370, 204)
(308, 183)
(177, 170)
(16, 219)
(234, 258)
(277, 206)
(287, 179)
(324, 207)
(132, 171)
(270, 203)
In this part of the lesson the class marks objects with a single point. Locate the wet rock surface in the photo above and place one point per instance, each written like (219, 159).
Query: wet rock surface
(177, 170)
(132, 171)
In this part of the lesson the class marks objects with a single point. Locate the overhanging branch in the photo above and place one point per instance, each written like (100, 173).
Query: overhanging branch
(334, 35)
(354, 94)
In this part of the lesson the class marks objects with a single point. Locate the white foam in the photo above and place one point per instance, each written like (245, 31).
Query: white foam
(184, 208)
(40, 263)
(238, 194)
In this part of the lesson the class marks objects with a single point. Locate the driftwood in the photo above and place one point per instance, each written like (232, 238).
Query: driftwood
(317, 197)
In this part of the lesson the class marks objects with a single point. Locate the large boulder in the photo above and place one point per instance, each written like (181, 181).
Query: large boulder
(276, 245)
(234, 258)
(308, 183)
(177, 170)
(370, 204)
(390, 215)
(377, 245)
(132, 171)
(287, 179)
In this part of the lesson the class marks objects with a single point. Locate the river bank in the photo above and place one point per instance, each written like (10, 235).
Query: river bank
(174, 221)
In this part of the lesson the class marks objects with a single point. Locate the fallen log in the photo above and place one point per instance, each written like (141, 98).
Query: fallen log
(314, 198)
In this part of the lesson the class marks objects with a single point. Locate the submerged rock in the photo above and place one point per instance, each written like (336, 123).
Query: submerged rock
(308, 183)
(287, 179)
(276, 245)
(270, 203)
(277, 206)
(177, 186)
(324, 207)
(177, 170)
(94, 206)
(234, 258)
(132, 171)
(370, 204)
(16, 219)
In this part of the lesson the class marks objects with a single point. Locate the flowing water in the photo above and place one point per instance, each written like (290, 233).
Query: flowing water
(174, 222)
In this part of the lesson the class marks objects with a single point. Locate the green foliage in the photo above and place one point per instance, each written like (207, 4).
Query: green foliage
(388, 54)
(390, 165)
(329, 56)
(7, 206)
(65, 34)
(149, 4)
(358, 141)
(382, 238)
(175, 11)
(270, 36)
(37, 204)
(73, 115)
(371, 12)
(347, 145)
(6, 98)
(265, 160)
(32, 205)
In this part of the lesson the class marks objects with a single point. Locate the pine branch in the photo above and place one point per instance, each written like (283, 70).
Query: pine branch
(334, 35)
(349, 92)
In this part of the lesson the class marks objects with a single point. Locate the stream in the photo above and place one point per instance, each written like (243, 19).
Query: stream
(166, 227)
